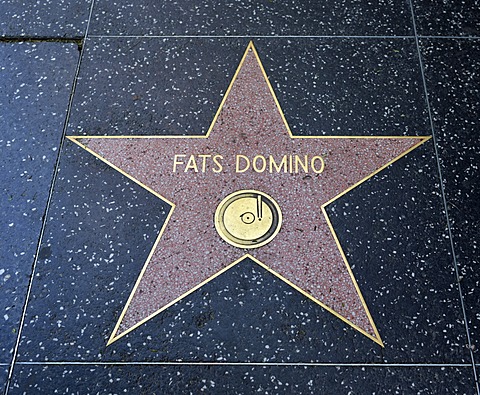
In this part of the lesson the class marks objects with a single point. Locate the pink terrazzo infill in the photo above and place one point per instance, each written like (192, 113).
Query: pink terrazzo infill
(190, 250)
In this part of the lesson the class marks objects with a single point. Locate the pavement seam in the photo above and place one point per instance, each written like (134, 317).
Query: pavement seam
(287, 364)
(80, 42)
(275, 36)
(444, 200)
(34, 39)
(47, 208)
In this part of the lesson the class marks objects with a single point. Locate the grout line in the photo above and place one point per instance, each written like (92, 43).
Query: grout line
(41, 39)
(445, 205)
(55, 173)
(237, 36)
(92, 5)
(47, 208)
(78, 40)
(34, 40)
(287, 364)
(276, 36)
(452, 37)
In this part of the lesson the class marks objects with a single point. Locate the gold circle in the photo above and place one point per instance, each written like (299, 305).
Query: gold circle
(248, 219)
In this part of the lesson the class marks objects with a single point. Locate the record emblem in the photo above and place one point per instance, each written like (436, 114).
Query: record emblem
(248, 219)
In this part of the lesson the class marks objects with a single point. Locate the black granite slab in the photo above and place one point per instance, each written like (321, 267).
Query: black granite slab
(393, 229)
(45, 19)
(3, 375)
(447, 18)
(325, 86)
(453, 81)
(181, 379)
(245, 315)
(246, 331)
(347, 17)
(35, 82)
(347, 86)
(152, 86)
(100, 229)
(394, 233)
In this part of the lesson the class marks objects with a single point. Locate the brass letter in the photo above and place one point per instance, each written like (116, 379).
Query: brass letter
(264, 165)
(304, 166)
(237, 168)
(176, 162)
(273, 164)
(216, 160)
(204, 162)
(191, 164)
(312, 164)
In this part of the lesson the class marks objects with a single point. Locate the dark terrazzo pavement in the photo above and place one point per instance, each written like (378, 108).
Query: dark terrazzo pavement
(251, 18)
(455, 98)
(152, 99)
(355, 86)
(3, 374)
(347, 86)
(393, 232)
(185, 379)
(86, 276)
(45, 19)
(36, 80)
(100, 226)
(452, 18)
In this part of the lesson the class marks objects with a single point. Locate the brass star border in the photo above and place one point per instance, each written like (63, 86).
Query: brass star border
(250, 48)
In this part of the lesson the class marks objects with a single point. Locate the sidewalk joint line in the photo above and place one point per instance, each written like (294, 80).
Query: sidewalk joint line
(46, 211)
(291, 364)
(444, 199)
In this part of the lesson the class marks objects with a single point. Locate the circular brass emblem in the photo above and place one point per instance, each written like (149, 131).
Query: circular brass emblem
(248, 219)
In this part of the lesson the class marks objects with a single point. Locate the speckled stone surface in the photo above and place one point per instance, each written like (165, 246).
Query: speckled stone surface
(447, 18)
(355, 87)
(3, 375)
(233, 380)
(393, 228)
(86, 266)
(45, 18)
(101, 226)
(35, 81)
(229, 18)
(304, 252)
(455, 98)
(245, 315)
(359, 86)
(168, 86)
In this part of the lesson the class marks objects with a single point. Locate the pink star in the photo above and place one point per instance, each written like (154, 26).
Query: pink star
(302, 174)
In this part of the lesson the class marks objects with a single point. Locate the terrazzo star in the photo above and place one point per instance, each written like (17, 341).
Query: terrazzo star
(279, 217)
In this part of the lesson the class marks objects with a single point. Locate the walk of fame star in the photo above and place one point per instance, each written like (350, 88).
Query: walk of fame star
(249, 161)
